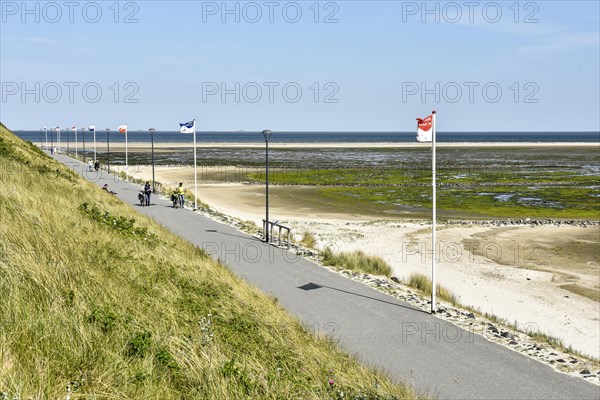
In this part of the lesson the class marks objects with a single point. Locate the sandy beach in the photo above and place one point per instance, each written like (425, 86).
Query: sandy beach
(543, 278)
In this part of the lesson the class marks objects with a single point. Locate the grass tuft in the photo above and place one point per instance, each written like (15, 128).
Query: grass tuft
(248, 226)
(357, 261)
(308, 240)
(423, 284)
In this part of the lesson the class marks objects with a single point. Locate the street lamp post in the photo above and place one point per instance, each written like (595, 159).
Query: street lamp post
(108, 149)
(41, 138)
(267, 135)
(83, 142)
(152, 130)
(76, 145)
(68, 142)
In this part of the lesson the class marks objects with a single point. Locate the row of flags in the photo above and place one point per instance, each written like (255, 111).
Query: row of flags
(185, 127)
(92, 128)
(425, 128)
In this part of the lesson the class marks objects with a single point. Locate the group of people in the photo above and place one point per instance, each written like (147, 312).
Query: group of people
(95, 166)
(144, 196)
(177, 197)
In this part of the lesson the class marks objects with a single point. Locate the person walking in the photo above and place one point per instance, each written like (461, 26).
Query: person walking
(147, 192)
(181, 194)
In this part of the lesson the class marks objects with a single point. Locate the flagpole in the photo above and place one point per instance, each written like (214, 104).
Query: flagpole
(126, 159)
(46, 133)
(75, 130)
(433, 253)
(195, 173)
(83, 142)
(94, 144)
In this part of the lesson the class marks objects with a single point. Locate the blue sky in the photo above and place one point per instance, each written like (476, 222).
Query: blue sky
(339, 65)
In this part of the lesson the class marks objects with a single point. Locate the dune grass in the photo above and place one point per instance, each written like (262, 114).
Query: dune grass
(308, 240)
(90, 305)
(248, 226)
(356, 261)
(423, 284)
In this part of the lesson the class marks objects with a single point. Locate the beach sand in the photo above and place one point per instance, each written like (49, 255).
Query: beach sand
(543, 278)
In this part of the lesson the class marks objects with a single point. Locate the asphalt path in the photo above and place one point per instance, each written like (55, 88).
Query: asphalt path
(414, 347)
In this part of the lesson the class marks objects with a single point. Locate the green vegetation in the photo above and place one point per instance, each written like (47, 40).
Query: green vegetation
(125, 226)
(498, 193)
(87, 303)
(248, 227)
(421, 175)
(308, 240)
(356, 261)
(423, 284)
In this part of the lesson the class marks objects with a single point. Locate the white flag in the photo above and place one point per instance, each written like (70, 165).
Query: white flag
(425, 129)
(187, 127)
(92, 128)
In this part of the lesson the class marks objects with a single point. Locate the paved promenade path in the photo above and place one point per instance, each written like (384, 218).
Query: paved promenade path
(379, 329)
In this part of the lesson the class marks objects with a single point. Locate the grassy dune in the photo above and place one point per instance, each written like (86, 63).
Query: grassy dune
(109, 304)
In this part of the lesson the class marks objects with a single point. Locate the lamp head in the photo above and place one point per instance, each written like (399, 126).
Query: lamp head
(152, 130)
(267, 134)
